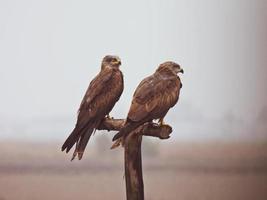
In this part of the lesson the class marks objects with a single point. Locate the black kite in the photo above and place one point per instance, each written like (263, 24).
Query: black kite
(102, 94)
(154, 96)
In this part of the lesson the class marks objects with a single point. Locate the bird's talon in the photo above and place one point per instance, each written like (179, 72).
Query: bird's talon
(109, 117)
(161, 122)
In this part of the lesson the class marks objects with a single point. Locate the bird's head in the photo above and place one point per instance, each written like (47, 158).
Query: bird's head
(111, 61)
(170, 67)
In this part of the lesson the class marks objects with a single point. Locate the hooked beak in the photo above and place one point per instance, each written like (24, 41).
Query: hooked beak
(117, 62)
(179, 70)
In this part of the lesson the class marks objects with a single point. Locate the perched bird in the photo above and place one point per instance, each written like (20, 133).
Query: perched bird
(152, 99)
(102, 94)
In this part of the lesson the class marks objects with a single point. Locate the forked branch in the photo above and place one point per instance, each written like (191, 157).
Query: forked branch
(132, 152)
(148, 129)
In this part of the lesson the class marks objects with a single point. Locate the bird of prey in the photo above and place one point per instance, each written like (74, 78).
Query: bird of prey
(152, 99)
(102, 94)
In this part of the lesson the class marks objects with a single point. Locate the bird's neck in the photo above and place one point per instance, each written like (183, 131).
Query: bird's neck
(107, 67)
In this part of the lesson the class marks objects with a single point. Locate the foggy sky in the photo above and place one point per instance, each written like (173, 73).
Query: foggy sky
(50, 50)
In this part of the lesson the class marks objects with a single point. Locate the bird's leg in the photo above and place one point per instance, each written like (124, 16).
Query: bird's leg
(161, 121)
(108, 116)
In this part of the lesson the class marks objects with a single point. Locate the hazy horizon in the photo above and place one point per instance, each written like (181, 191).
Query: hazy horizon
(50, 51)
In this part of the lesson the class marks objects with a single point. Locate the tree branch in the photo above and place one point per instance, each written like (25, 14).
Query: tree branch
(148, 129)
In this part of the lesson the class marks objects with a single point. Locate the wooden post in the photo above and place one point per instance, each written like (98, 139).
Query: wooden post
(133, 167)
(133, 154)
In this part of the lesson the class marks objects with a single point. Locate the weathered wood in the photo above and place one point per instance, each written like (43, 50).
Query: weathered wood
(148, 129)
(133, 167)
(132, 152)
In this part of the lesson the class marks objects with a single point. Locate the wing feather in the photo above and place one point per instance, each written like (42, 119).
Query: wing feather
(152, 99)
(153, 96)
(95, 87)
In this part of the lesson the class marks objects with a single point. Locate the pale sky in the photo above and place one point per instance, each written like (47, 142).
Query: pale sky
(50, 50)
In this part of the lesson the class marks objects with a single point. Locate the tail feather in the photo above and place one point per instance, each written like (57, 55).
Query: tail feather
(126, 129)
(80, 136)
(83, 142)
(70, 141)
(117, 143)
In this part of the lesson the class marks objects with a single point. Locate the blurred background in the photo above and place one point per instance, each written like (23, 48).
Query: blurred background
(50, 51)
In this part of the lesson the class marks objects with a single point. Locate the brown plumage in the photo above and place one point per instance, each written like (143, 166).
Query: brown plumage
(102, 94)
(154, 96)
